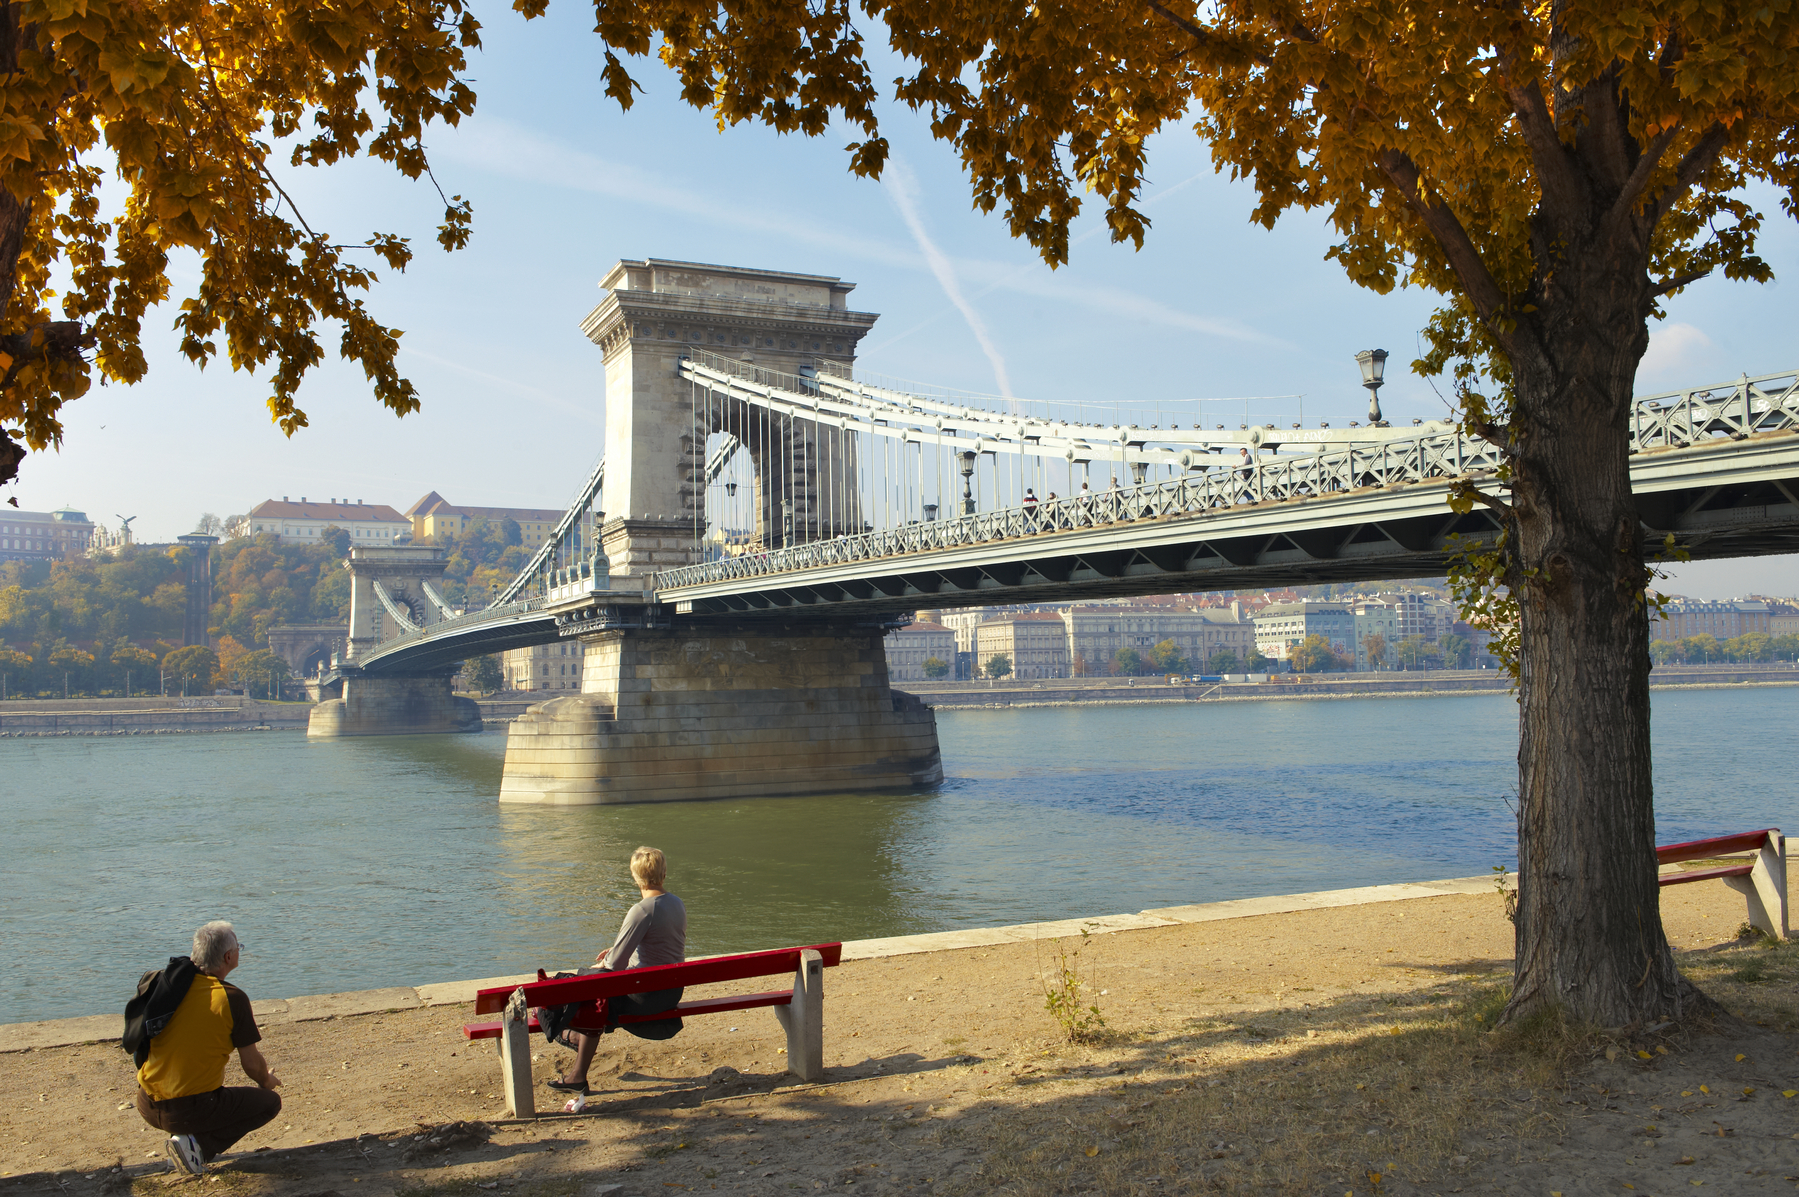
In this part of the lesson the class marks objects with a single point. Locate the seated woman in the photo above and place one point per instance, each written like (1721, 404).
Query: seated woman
(654, 932)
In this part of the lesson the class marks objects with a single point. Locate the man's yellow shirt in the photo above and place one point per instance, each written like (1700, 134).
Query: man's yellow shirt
(189, 1057)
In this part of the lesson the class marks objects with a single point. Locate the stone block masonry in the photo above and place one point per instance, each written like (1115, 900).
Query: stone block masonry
(723, 711)
(394, 706)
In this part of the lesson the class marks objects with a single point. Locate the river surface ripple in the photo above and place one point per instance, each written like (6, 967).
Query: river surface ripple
(356, 864)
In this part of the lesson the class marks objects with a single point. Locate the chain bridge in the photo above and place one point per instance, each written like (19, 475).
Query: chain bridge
(762, 517)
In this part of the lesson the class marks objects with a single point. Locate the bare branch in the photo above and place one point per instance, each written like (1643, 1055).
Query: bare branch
(1194, 29)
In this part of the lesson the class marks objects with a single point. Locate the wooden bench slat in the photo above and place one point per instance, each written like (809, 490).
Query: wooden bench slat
(661, 976)
(1742, 870)
(718, 1005)
(1722, 845)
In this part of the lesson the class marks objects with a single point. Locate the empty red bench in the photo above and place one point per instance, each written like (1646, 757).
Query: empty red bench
(1761, 878)
(800, 1009)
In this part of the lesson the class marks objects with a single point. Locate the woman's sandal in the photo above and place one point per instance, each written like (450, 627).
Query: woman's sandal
(567, 1039)
(568, 1086)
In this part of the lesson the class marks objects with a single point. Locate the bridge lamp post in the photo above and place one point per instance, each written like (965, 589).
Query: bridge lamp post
(967, 459)
(930, 512)
(1139, 470)
(1374, 364)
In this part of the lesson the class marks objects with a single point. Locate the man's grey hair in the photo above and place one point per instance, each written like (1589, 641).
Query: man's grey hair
(211, 943)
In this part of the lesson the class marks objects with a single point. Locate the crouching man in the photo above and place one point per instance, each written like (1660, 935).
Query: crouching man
(193, 1022)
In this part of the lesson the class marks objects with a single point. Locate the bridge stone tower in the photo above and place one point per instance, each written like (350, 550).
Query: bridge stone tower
(680, 707)
(393, 591)
(656, 312)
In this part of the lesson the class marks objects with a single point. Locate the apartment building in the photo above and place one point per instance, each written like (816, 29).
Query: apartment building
(1375, 618)
(435, 519)
(908, 648)
(544, 666)
(1035, 642)
(1097, 631)
(1680, 618)
(1281, 626)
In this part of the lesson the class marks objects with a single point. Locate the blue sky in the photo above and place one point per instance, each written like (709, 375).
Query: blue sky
(563, 185)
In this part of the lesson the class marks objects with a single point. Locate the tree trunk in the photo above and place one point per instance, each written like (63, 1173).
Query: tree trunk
(1589, 929)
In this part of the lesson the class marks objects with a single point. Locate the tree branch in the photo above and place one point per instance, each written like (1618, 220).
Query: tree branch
(1639, 175)
(1677, 282)
(1458, 247)
(1194, 29)
(1693, 164)
(1555, 173)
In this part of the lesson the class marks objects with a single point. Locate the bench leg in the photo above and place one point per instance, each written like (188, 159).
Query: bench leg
(1765, 889)
(804, 1019)
(515, 1057)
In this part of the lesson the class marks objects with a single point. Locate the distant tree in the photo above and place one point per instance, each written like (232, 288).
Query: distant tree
(338, 538)
(1222, 660)
(998, 665)
(1166, 658)
(1456, 650)
(1664, 651)
(1750, 647)
(485, 674)
(74, 664)
(510, 533)
(1254, 661)
(237, 526)
(209, 525)
(1079, 667)
(1314, 655)
(1375, 645)
(331, 597)
(131, 667)
(259, 673)
(1702, 648)
(1127, 662)
(230, 652)
(192, 668)
(1786, 648)
(935, 667)
(1412, 651)
(16, 667)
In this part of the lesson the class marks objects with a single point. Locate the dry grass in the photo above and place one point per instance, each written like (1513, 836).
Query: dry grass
(1755, 978)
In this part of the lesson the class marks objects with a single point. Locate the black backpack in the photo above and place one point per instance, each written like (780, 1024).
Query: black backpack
(159, 995)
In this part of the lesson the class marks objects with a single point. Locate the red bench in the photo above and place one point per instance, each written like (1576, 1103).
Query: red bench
(799, 1009)
(1761, 878)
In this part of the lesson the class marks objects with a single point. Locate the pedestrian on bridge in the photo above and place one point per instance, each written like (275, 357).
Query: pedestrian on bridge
(1030, 510)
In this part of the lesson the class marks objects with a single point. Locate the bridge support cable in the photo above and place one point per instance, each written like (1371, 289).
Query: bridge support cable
(401, 615)
(571, 550)
(1173, 472)
(444, 610)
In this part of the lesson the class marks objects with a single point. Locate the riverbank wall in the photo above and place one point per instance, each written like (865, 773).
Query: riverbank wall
(101, 1028)
(154, 716)
(1079, 691)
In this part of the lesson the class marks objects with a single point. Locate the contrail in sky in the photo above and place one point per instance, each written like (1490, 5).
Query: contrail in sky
(902, 188)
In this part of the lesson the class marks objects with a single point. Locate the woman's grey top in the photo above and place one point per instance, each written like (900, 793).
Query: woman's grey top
(654, 932)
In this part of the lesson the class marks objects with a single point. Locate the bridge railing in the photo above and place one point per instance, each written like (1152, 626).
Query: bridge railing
(1672, 420)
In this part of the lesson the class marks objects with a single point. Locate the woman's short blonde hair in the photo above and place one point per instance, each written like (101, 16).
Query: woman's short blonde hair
(649, 867)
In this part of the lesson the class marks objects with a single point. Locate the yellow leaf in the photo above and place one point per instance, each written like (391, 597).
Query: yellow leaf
(1706, 1089)
(1644, 1055)
(1748, 1092)
(1741, 1057)
(1092, 1151)
(1686, 1093)
(1789, 1092)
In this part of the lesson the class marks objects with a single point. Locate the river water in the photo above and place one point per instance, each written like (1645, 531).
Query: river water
(355, 864)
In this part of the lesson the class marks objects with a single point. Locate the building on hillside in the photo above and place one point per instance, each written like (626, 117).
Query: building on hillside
(908, 648)
(43, 535)
(1281, 626)
(303, 522)
(1035, 642)
(1096, 632)
(1680, 618)
(437, 520)
(544, 666)
(1375, 619)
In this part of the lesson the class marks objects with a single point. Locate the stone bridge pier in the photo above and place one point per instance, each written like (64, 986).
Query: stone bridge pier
(393, 592)
(724, 710)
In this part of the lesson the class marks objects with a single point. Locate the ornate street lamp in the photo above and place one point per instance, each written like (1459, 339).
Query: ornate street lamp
(967, 459)
(1374, 364)
(930, 512)
(1139, 470)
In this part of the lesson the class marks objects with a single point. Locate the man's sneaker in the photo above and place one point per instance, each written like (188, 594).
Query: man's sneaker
(184, 1151)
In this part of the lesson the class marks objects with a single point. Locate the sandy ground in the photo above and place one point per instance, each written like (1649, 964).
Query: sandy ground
(1326, 1051)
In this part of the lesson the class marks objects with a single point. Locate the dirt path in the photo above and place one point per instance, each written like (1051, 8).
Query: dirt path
(1302, 1052)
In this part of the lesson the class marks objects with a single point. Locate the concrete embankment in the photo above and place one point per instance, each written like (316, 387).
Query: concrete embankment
(952, 695)
(180, 716)
(95, 1028)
